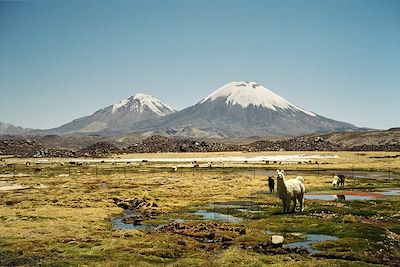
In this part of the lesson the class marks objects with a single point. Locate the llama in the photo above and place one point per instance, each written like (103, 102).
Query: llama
(290, 190)
(335, 182)
(338, 180)
(342, 178)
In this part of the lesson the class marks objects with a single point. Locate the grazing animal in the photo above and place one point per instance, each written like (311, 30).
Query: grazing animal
(289, 191)
(342, 179)
(271, 184)
(338, 180)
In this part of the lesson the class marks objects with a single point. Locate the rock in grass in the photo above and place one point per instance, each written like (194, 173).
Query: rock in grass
(277, 240)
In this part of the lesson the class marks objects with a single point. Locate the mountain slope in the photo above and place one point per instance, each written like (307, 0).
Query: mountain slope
(133, 109)
(243, 109)
(8, 128)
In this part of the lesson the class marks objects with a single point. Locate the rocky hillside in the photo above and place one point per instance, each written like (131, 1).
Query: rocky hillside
(158, 143)
(362, 141)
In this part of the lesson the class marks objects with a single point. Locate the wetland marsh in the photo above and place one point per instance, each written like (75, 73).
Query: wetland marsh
(114, 213)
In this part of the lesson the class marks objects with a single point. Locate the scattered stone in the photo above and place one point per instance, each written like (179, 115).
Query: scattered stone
(277, 240)
(270, 249)
(205, 233)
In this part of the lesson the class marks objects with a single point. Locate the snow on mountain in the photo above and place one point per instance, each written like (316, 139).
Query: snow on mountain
(139, 101)
(8, 128)
(241, 109)
(119, 105)
(251, 93)
(237, 109)
(139, 107)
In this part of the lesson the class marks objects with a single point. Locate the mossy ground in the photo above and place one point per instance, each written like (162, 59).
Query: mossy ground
(69, 221)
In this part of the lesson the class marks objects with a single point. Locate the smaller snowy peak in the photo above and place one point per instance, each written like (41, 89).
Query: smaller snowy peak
(139, 101)
(245, 93)
(6, 125)
(119, 105)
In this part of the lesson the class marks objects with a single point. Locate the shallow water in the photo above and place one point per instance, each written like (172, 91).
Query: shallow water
(332, 173)
(349, 197)
(337, 197)
(311, 239)
(391, 192)
(209, 215)
(118, 224)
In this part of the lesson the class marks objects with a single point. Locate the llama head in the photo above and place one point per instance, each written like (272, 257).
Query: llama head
(280, 174)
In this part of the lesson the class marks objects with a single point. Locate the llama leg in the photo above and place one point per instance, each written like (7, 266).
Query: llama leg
(286, 206)
(294, 205)
(301, 200)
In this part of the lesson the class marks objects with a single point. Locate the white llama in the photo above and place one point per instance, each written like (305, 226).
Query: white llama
(290, 190)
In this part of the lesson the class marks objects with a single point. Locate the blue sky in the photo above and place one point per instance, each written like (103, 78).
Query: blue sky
(60, 60)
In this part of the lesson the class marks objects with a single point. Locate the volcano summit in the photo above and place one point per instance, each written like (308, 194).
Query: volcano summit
(241, 109)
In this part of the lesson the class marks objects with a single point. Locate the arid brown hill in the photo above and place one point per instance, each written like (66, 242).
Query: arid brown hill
(158, 143)
(100, 149)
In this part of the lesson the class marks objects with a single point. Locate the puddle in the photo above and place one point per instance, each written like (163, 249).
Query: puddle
(209, 215)
(119, 224)
(311, 239)
(356, 195)
(330, 173)
(337, 197)
(391, 192)
(242, 206)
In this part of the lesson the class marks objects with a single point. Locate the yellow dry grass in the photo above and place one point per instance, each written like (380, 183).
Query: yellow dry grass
(69, 221)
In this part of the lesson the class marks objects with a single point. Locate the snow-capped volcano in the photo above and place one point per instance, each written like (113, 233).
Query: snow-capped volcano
(242, 109)
(136, 108)
(251, 93)
(140, 102)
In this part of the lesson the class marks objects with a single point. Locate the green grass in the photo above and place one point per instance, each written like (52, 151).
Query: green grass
(68, 223)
